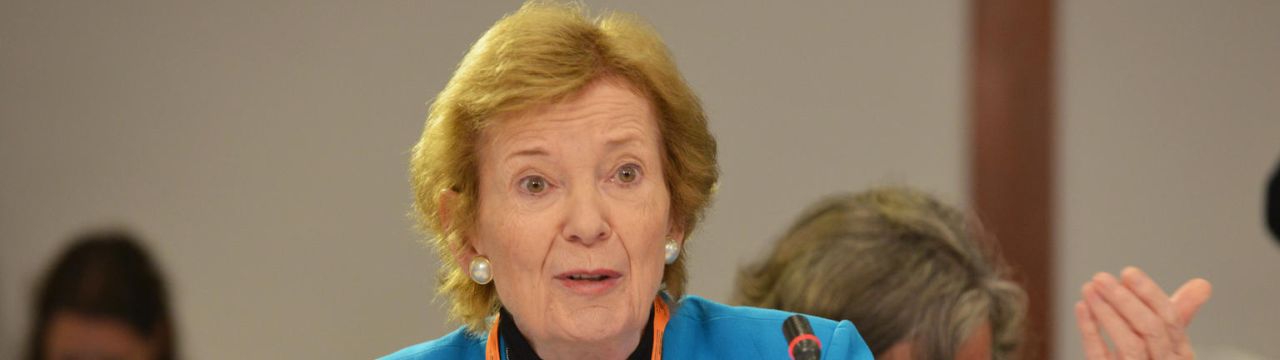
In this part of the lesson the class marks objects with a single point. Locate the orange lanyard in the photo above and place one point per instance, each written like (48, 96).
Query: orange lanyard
(661, 314)
(660, 317)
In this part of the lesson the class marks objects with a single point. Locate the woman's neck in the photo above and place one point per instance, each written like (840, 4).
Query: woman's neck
(603, 349)
(627, 345)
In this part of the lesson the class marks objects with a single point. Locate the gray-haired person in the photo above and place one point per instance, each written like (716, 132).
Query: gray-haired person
(922, 281)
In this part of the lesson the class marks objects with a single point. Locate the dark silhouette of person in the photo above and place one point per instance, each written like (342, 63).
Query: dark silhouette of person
(103, 299)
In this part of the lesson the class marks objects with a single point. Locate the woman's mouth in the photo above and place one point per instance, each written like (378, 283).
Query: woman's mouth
(589, 282)
(587, 277)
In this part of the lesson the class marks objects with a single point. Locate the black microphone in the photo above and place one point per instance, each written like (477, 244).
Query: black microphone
(801, 343)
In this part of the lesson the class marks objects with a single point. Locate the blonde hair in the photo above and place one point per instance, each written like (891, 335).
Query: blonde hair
(541, 54)
(897, 263)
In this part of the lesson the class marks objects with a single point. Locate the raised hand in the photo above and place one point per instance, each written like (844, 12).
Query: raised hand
(1142, 321)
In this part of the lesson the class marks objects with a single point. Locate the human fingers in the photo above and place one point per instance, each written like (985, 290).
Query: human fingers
(1150, 293)
(1153, 330)
(1094, 347)
(1128, 344)
(1186, 302)
(1188, 299)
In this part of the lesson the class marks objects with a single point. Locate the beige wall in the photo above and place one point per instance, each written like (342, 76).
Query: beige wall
(1169, 125)
(261, 146)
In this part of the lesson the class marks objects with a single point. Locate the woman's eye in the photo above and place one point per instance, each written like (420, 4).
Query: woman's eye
(533, 184)
(628, 173)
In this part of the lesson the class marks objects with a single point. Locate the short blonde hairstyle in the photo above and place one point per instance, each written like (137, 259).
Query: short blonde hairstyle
(542, 54)
(897, 263)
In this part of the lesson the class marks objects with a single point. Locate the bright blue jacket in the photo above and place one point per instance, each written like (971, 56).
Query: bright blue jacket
(698, 329)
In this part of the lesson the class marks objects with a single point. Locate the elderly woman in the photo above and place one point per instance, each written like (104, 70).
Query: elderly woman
(562, 169)
(917, 277)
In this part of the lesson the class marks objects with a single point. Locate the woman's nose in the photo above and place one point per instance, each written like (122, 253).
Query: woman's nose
(588, 220)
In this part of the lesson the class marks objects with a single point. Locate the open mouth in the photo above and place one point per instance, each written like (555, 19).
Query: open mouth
(587, 277)
(589, 282)
(593, 275)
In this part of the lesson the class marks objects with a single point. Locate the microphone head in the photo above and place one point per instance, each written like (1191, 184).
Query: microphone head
(801, 343)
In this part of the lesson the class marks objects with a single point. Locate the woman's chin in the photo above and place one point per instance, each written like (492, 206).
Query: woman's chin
(597, 324)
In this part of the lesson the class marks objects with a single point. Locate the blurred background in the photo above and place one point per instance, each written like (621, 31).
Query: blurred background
(261, 148)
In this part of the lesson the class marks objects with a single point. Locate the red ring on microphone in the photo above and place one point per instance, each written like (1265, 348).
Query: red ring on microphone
(797, 340)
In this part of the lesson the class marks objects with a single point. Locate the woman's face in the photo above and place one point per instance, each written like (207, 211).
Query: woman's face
(573, 214)
(72, 335)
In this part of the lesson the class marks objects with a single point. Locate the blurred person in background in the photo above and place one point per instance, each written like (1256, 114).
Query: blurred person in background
(103, 299)
(922, 281)
(900, 264)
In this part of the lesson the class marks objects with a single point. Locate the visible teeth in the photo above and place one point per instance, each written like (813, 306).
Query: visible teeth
(586, 277)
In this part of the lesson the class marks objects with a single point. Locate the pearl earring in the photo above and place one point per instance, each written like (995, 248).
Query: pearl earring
(672, 251)
(481, 273)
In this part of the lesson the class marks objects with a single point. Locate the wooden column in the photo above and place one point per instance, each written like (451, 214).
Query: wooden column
(1012, 142)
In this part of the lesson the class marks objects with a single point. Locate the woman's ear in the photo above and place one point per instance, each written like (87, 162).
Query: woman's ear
(676, 233)
(447, 205)
(444, 207)
(464, 255)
